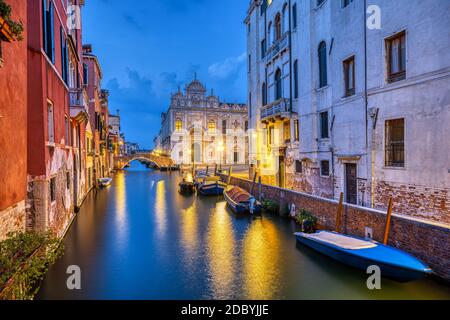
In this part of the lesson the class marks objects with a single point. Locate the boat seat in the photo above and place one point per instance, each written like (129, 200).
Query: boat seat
(339, 240)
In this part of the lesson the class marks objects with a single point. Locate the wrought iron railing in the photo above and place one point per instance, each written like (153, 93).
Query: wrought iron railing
(78, 98)
(277, 47)
(275, 108)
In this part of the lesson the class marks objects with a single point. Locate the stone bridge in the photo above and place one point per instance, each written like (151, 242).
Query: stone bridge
(157, 160)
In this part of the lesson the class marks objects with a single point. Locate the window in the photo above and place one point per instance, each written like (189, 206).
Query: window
(50, 123)
(324, 134)
(277, 27)
(48, 30)
(296, 79)
(180, 154)
(296, 130)
(271, 136)
(178, 125)
(285, 19)
(346, 3)
(278, 84)
(85, 74)
(246, 125)
(224, 126)
(298, 166)
(287, 132)
(53, 189)
(396, 58)
(68, 180)
(212, 126)
(349, 76)
(395, 143)
(325, 168)
(263, 48)
(269, 33)
(249, 63)
(66, 122)
(323, 64)
(264, 94)
(64, 57)
(294, 16)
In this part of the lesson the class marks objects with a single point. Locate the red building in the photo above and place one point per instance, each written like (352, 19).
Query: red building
(13, 122)
(50, 158)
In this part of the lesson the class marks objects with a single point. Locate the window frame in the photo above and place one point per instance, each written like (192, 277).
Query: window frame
(388, 162)
(349, 91)
(392, 77)
(323, 64)
(324, 136)
(322, 162)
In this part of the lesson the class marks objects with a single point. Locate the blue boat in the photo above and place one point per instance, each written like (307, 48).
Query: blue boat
(361, 253)
(211, 186)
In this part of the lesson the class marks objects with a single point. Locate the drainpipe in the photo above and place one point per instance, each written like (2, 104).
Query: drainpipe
(366, 103)
(290, 59)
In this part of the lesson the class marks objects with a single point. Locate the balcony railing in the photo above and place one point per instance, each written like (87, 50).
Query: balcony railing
(277, 108)
(78, 98)
(277, 47)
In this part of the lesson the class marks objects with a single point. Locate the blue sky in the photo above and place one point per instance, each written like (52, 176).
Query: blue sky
(148, 48)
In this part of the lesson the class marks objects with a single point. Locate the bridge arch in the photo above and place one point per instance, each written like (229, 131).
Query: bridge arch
(158, 160)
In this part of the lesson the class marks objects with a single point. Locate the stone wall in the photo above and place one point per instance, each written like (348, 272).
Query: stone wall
(12, 219)
(426, 240)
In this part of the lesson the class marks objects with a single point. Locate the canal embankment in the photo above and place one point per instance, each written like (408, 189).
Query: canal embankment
(429, 241)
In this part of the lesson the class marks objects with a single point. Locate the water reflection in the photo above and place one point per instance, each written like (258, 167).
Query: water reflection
(190, 234)
(221, 253)
(261, 260)
(160, 208)
(120, 198)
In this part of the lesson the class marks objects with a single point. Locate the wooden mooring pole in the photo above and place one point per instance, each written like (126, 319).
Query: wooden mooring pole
(252, 191)
(339, 213)
(259, 189)
(229, 174)
(388, 222)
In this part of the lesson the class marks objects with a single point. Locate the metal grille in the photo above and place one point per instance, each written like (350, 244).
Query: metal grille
(395, 143)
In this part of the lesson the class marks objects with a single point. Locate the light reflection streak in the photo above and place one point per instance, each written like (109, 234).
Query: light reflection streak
(189, 234)
(161, 208)
(261, 261)
(221, 253)
(121, 207)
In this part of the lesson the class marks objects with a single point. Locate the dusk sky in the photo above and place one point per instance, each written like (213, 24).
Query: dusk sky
(148, 48)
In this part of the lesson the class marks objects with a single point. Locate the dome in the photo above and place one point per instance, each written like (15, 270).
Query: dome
(195, 87)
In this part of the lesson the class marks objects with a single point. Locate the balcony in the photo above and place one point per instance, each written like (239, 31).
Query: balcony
(277, 48)
(78, 104)
(276, 110)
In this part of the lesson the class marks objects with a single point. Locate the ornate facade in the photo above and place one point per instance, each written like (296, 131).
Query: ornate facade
(199, 129)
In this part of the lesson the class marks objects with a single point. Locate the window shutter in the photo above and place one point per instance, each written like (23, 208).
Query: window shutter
(51, 32)
(44, 25)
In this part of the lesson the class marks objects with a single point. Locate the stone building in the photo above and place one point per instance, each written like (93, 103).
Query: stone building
(340, 107)
(199, 129)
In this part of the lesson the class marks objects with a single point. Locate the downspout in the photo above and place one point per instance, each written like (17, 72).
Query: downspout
(290, 59)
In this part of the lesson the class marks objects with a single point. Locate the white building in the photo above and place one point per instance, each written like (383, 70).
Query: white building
(199, 129)
(332, 127)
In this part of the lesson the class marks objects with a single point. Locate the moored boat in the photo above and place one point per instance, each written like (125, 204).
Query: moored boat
(361, 253)
(211, 186)
(240, 201)
(187, 186)
(104, 182)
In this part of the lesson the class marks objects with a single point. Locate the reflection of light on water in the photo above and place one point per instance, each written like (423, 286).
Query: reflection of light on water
(152, 184)
(121, 205)
(189, 233)
(221, 252)
(160, 207)
(261, 261)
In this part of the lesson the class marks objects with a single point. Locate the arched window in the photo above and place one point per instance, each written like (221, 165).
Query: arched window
(296, 79)
(269, 33)
(212, 126)
(278, 84)
(264, 94)
(322, 55)
(285, 18)
(277, 27)
(178, 125)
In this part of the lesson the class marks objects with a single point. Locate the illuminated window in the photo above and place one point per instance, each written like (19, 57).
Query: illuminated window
(212, 126)
(178, 125)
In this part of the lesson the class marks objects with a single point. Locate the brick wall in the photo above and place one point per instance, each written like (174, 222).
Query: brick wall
(428, 241)
(12, 219)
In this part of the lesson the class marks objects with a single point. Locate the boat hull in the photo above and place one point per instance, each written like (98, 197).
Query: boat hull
(241, 207)
(215, 189)
(361, 259)
(187, 188)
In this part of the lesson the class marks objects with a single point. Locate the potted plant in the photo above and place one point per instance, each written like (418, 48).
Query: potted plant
(10, 30)
(307, 221)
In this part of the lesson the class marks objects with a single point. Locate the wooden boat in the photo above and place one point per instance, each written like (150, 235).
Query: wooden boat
(361, 253)
(104, 182)
(211, 186)
(187, 186)
(240, 201)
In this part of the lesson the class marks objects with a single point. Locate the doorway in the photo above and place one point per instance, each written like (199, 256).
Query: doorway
(281, 172)
(351, 184)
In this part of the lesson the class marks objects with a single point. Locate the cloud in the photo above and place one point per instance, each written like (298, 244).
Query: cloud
(133, 22)
(228, 70)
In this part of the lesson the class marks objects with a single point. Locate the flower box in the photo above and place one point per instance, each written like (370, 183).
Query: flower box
(5, 31)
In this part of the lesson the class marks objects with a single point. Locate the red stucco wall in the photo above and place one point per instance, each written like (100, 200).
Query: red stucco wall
(13, 115)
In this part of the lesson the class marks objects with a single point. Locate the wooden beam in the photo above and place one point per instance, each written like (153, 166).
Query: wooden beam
(388, 222)
(229, 174)
(339, 213)
(252, 191)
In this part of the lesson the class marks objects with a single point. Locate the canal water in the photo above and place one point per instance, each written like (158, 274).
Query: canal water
(141, 239)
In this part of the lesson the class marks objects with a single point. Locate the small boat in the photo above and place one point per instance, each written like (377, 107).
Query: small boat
(241, 201)
(187, 186)
(361, 253)
(211, 186)
(104, 182)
